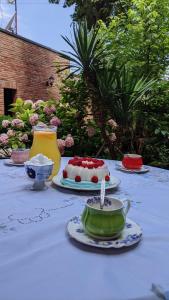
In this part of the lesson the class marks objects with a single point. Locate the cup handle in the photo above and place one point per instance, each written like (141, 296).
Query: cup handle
(127, 206)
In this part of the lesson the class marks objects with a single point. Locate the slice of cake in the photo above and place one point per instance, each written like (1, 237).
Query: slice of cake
(85, 172)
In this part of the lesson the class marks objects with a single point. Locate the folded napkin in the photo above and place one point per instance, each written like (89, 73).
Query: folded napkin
(160, 292)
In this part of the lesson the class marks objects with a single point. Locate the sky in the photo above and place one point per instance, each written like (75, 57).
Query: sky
(40, 21)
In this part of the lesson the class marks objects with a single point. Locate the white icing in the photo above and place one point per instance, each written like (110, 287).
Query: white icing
(39, 160)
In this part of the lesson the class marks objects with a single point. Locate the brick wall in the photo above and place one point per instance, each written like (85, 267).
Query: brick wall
(26, 66)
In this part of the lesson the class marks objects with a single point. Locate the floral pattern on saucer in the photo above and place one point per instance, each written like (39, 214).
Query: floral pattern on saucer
(131, 235)
(144, 169)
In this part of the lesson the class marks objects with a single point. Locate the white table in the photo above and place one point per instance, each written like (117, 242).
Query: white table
(38, 261)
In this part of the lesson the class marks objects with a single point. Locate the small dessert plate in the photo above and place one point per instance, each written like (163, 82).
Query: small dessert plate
(57, 180)
(9, 162)
(144, 169)
(131, 235)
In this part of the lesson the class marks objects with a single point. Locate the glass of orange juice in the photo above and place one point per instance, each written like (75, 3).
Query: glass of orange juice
(45, 142)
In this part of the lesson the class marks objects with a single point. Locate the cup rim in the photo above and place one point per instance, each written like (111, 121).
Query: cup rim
(47, 128)
(20, 150)
(27, 163)
(97, 199)
(132, 155)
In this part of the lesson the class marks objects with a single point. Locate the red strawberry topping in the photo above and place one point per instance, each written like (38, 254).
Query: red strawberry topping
(95, 165)
(64, 174)
(94, 179)
(84, 162)
(84, 165)
(70, 161)
(77, 178)
(107, 178)
(90, 166)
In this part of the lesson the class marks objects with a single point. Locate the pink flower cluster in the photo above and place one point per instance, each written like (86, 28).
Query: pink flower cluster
(30, 102)
(17, 123)
(68, 142)
(24, 137)
(49, 110)
(112, 123)
(5, 123)
(10, 132)
(61, 145)
(55, 121)
(17, 130)
(4, 139)
(33, 119)
(38, 103)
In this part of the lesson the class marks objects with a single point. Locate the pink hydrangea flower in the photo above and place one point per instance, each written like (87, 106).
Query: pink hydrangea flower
(53, 108)
(4, 139)
(49, 110)
(17, 123)
(28, 102)
(10, 133)
(90, 131)
(38, 103)
(24, 137)
(112, 137)
(55, 121)
(61, 145)
(5, 123)
(33, 119)
(69, 141)
(112, 123)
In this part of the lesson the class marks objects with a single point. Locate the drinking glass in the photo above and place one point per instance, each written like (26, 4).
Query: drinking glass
(45, 142)
(132, 161)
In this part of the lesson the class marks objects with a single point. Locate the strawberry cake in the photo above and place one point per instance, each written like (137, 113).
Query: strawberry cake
(85, 172)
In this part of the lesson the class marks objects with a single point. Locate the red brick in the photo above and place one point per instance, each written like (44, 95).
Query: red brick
(26, 66)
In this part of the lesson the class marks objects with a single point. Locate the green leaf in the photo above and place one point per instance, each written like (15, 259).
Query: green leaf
(157, 131)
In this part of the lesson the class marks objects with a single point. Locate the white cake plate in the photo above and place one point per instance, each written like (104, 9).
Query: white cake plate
(113, 183)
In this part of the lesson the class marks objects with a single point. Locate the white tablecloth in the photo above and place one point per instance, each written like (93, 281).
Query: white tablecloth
(38, 261)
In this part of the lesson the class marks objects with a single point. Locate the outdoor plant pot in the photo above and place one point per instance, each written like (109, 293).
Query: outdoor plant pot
(19, 156)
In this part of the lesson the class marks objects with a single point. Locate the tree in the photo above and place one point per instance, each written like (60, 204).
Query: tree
(91, 10)
(140, 36)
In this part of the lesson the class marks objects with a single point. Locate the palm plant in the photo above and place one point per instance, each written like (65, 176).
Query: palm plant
(122, 92)
(114, 92)
(86, 50)
(87, 56)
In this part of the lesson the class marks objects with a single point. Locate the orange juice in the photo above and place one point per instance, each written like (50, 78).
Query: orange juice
(45, 142)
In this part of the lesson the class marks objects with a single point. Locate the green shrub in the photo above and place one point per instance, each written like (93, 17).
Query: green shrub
(74, 111)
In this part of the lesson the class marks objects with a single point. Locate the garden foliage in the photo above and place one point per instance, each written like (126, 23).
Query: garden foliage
(123, 65)
(16, 131)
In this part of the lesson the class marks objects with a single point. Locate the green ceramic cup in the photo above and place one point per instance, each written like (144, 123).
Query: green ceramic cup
(106, 223)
